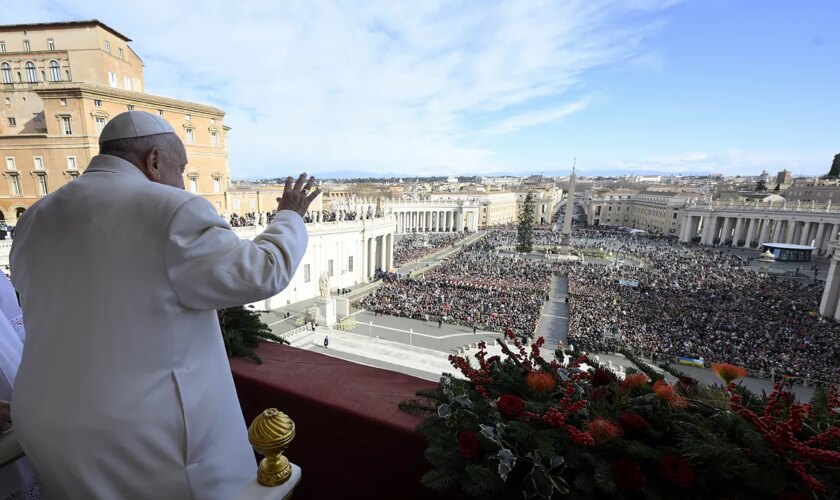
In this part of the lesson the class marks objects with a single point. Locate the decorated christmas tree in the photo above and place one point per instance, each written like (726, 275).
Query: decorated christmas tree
(525, 231)
(243, 330)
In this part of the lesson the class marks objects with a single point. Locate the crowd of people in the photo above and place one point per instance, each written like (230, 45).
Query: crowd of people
(680, 300)
(698, 303)
(476, 287)
(264, 218)
(416, 247)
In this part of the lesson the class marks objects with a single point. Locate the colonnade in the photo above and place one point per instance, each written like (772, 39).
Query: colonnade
(379, 251)
(435, 220)
(748, 231)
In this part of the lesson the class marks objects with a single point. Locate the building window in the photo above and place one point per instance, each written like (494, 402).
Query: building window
(213, 121)
(66, 127)
(100, 124)
(7, 72)
(38, 162)
(50, 44)
(350, 263)
(214, 139)
(31, 74)
(108, 47)
(71, 163)
(73, 175)
(130, 107)
(252, 204)
(67, 75)
(12, 122)
(188, 117)
(217, 185)
(62, 102)
(26, 46)
(190, 136)
(8, 101)
(42, 185)
(10, 163)
(97, 103)
(219, 204)
(194, 184)
(160, 112)
(122, 55)
(330, 268)
(236, 204)
(127, 83)
(112, 79)
(306, 273)
(14, 185)
(55, 71)
(2, 47)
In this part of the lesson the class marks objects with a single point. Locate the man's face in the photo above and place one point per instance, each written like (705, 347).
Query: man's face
(171, 164)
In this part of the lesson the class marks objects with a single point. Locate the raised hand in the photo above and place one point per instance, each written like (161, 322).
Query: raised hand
(299, 197)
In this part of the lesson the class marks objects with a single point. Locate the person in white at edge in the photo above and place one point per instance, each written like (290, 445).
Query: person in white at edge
(124, 390)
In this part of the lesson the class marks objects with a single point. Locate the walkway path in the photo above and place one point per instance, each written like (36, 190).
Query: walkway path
(554, 321)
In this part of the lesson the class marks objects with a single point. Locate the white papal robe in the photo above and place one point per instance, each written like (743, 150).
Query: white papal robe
(124, 390)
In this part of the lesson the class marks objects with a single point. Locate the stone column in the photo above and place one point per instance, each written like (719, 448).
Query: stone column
(389, 247)
(739, 228)
(828, 304)
(765, 231)
(777, 231)
(805, 234)
(459, 221)
(791, 229)
(383, 253)
(727, 228)
(371, 260)
(819, 238)
(750, 233)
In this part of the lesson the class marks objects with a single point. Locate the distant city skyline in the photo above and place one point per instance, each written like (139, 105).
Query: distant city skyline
(437, 88)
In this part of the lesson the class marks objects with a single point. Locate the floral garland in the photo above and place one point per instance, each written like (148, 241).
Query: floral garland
(524, 427)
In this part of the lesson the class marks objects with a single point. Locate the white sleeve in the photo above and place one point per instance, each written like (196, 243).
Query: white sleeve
(210, 267)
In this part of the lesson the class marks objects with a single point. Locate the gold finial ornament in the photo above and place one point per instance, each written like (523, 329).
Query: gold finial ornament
(270, 434)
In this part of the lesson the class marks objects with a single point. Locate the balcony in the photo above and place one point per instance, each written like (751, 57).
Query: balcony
(352, 439)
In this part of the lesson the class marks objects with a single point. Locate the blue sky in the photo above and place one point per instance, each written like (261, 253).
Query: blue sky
(478, 87)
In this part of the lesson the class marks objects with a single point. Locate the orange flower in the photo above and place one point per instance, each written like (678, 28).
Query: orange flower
(603, 430)
(633, 381)
(728, 372)
(541, 382)
(666, 394)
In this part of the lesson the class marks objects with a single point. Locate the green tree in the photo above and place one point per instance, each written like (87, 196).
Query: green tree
(525, 231)
(834, 173)
(242, 332)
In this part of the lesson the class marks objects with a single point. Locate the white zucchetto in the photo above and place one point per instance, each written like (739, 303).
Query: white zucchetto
(134, 124)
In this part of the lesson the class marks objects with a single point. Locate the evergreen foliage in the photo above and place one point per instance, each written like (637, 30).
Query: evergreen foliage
(525, 230)
(506, 431)
(242, 332)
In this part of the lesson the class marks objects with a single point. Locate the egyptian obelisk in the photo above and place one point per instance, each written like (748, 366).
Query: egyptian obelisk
(566, 234)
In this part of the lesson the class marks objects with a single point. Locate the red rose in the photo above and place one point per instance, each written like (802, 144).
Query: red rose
(510, 407)
(468, 444)
(676, 469)
(632, 423)
(628, 476)
(600, 377)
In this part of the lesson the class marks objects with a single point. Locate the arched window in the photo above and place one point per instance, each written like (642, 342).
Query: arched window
(31, 74)
(55, 71)
(7, 72)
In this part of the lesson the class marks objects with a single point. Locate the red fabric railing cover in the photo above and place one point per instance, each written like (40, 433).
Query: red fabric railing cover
(352, 440)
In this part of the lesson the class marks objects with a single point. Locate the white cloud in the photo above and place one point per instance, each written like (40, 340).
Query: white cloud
(375, 86)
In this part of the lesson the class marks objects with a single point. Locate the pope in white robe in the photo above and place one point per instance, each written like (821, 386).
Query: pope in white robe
(125, 390)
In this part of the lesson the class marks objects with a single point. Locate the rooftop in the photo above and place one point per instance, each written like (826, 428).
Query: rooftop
(63, 24)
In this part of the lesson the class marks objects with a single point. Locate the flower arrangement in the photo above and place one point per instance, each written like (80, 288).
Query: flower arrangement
(520, 426)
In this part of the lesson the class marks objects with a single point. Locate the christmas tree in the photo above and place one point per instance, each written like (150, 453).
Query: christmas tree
(243, 330)
(525, 231)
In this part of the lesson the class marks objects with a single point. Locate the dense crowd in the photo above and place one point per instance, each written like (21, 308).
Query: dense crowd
(681, 300)
(475, 287)
(264, 218)
(411, 248)
(701, 304)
